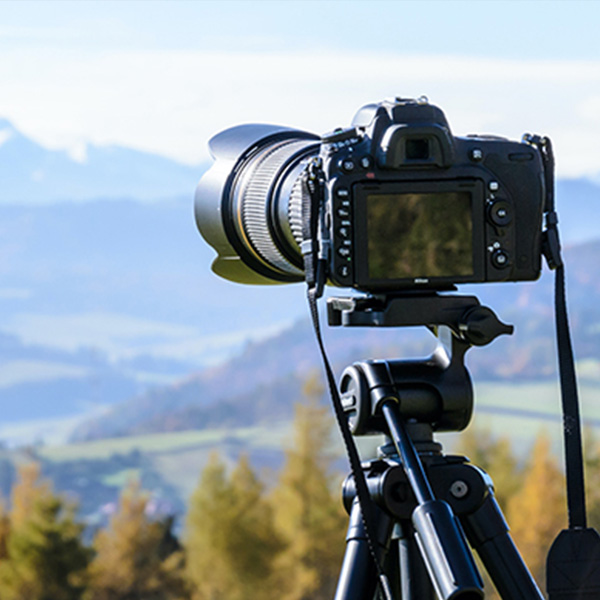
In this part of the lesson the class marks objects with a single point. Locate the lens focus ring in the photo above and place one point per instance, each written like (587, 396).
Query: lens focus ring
(254, 208)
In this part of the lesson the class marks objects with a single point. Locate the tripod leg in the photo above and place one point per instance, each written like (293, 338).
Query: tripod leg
(487, 531)
(414, 578)
(358, 577)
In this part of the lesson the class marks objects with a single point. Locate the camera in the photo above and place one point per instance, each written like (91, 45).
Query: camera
(405, 205)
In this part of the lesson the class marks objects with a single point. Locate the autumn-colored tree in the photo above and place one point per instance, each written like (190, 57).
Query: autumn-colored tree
(131, 562)
(537, 512)
(495, 456)
(231, 541)
(592, 478)
(45, 558)
(308, 511)
(4, 531)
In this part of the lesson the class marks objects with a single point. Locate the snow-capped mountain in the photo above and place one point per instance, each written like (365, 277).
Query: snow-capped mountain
(31, 173)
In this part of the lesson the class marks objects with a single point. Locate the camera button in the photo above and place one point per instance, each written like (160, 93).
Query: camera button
(344, 232)
(347, 165)
(493, 186)
(344, 252)
(476, 155)
(343, 212)
(500, 213)
(344, 271)
(500, 259)
(366, 162)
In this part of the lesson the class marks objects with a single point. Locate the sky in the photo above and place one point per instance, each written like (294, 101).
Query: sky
(166, 76)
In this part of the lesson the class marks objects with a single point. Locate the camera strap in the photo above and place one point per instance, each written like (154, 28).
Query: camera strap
(315, 263)
(573, 564)
(551, 249)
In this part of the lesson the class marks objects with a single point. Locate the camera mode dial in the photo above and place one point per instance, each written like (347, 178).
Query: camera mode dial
(339, 135)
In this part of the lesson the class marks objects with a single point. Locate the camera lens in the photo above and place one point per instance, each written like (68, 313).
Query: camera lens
(249, 204)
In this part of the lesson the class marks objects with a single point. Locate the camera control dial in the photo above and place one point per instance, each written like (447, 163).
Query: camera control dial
(339, 135)
(500, 259)
(500, 213)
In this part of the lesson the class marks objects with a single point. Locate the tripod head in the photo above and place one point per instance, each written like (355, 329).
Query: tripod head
(436, 390)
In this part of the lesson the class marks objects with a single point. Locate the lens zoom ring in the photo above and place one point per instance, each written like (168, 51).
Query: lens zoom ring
(255, 204)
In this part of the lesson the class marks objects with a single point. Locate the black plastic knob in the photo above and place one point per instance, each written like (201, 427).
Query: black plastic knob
(480, 326)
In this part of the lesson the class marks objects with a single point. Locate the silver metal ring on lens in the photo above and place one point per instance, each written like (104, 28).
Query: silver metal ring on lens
(253, 197)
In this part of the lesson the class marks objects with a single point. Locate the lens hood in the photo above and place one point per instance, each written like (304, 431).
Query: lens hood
(219, 222)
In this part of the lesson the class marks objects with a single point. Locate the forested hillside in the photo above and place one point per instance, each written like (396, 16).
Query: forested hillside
(263, 382)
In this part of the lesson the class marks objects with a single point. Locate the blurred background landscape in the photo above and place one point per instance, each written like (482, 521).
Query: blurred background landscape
(122, 357)
(122, 351)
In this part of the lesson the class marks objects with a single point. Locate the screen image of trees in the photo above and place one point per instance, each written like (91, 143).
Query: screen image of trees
(419, 235)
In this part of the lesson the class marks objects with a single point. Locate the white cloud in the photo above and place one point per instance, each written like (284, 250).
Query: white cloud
(172, 101)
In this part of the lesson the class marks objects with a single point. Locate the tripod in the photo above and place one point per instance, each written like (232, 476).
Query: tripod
(427, 504)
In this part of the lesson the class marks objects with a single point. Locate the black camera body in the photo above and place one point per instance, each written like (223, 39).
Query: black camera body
(411, 206)
(406, 205)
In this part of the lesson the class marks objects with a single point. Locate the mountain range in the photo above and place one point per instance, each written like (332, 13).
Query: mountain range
(31, 173)
(106, 292)
(263, 382)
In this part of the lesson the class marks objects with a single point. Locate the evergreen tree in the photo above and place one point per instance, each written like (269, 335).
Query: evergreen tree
(44, 555)
(132, 561)
(537, 512)
(231, 540)
(309, 513)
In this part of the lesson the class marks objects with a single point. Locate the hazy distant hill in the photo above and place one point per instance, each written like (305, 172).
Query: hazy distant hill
(126, 277)
(31, 173)
(129, 281)
(262, 383)
(38, 382)
(578, 205)
(126, 282)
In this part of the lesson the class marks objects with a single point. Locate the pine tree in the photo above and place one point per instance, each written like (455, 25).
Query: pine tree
(131, 562)
(45, 558)
(309, 514)
(231, 541)
(537, 512)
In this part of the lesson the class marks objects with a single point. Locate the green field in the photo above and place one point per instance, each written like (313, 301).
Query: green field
(177, 459)
(518, 411)
(521, 411)
(158, 443)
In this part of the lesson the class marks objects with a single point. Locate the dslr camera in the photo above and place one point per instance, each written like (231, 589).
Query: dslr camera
(405, 205)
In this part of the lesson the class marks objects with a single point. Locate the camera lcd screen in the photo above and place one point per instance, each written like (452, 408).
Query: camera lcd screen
(419, 235)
